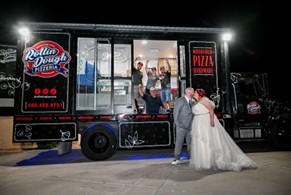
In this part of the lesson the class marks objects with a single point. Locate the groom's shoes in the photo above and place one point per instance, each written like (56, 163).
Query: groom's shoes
(181, 161)
(175, 162)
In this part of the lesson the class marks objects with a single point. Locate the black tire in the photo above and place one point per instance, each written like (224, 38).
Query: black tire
(99, 142)
(281, 132)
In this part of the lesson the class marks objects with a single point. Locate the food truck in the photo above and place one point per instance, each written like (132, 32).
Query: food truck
(76, 79)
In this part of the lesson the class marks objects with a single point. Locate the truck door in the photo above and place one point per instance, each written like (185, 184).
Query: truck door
(103, 79)
(94, 80)
(122, 76)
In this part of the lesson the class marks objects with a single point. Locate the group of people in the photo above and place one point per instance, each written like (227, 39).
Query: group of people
(154, 103)
(209, 146)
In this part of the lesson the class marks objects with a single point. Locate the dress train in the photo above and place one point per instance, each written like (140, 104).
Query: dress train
(212, 147)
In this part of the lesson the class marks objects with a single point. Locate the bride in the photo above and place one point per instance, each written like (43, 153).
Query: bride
(211, 147)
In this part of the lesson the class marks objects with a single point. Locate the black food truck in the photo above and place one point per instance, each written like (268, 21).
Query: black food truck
(76, 83)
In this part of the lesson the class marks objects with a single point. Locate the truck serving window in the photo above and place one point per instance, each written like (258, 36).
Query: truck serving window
(93, 74)
(122, 76)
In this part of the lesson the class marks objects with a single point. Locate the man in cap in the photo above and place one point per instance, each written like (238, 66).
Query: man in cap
(137, 76)
(154, 103)
(152, 77)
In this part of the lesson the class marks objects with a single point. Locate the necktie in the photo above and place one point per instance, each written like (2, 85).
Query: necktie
(190, 104)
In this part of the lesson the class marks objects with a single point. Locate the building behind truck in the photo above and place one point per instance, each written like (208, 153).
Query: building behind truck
(76, 79)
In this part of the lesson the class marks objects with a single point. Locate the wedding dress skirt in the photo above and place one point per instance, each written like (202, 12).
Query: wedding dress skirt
(212, 147)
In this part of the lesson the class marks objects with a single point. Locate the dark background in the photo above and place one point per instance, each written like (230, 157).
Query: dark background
(261, 36)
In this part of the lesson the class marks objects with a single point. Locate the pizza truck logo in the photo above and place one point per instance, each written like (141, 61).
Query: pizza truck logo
(254, 108)
(46, 59)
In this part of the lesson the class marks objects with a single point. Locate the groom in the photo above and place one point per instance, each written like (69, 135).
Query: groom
(183, 117)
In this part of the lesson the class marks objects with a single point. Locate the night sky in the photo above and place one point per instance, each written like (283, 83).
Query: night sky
(260, 38)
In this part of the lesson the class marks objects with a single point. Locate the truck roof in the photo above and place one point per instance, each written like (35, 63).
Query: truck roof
(123, 28)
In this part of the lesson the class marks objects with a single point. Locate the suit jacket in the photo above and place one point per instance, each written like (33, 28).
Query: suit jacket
(183, 115)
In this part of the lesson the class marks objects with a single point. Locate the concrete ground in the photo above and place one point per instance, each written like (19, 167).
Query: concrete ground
(137, 172)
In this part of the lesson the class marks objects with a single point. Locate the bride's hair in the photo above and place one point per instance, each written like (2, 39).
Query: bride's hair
(201, 92)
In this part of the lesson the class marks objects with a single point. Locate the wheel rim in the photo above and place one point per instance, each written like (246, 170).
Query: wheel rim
(98, 143)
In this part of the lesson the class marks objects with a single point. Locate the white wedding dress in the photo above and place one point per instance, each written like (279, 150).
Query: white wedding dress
(211, 147)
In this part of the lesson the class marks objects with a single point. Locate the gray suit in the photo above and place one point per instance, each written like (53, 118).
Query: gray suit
(183, 117)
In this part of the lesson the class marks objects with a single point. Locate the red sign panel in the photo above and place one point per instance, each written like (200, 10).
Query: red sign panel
(46, 61)
(203, 59)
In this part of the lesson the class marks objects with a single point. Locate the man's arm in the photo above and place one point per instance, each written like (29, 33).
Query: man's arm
(166, 105)
(135, 61)
(176, 110)
(161, 105)
(146, 66)
(141, 90)
(169, 65)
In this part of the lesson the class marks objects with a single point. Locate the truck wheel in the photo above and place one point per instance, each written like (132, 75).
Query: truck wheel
(99, 142)
(281, 132)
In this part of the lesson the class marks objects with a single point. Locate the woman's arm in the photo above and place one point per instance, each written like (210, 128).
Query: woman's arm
(208, 104)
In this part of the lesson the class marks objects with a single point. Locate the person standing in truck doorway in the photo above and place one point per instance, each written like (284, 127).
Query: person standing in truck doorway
(165, 79)
(183, 117)
(137, 77)
(152, 77)
(154, 103)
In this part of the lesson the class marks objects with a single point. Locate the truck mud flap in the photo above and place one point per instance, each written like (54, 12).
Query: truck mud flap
(99, 142)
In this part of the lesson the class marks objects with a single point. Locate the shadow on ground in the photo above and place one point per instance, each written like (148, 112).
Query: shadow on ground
(76, 156)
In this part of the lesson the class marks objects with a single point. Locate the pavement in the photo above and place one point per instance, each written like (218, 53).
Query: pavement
(138, 172)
